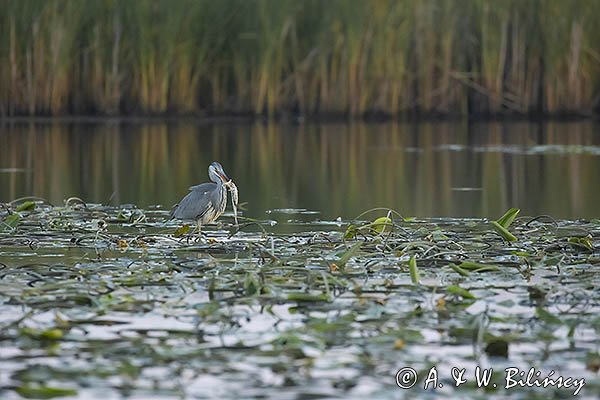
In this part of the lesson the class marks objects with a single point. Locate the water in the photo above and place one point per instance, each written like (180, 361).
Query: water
(105, 301)
(129, 311)
(425, 170)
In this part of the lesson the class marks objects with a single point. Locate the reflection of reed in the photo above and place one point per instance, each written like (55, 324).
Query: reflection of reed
(338, 169)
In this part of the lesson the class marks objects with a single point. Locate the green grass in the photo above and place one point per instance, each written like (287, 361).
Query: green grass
(309, 57)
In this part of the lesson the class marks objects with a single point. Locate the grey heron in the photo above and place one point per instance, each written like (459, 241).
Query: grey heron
(207, 201)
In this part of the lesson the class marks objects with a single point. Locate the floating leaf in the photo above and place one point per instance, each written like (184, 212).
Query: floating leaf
(478, 267)
(503, 232)
(44, 392)
(582, 242)
(26, 206)
(382, 224)
(302, 296)
(47, 334)
(182, 230)
(459, 270)
(457, 290)
(10, 222)
(351, 232)
(122, 217)
(52, 334)
(437, 236)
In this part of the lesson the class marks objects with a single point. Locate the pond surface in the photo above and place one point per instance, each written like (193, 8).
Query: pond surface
(110, 300)
(424, 170)
(104, 302)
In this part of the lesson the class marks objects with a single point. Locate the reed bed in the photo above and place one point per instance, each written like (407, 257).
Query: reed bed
(334, 58)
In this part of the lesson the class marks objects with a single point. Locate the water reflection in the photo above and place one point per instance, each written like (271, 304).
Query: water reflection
(426, 169)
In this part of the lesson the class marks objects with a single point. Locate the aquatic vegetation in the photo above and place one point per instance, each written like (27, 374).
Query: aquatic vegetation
(98, 300)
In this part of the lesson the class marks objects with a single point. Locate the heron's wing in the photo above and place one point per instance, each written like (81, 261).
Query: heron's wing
(203, 187)
(195, 203)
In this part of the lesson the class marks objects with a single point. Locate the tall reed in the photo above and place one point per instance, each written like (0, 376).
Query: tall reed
(310, 57)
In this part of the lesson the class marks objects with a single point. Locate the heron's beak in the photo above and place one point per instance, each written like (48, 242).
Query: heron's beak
(223, 177)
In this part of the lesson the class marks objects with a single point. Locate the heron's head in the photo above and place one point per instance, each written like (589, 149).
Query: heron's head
(216, 173)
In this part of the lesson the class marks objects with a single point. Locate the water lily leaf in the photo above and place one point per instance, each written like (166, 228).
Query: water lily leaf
(44, 392)
(437, 236)
(47, 334)
(351, 232)
(457, 290)
(382, 224)
(26, 206)
(182, 230)
(122, 217)
(459, 270)
(52, 334)
(302, 296)
(10, 222)
(581, 242)
(478, 267)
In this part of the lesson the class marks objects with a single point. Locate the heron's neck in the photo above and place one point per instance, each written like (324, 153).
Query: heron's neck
(223, 189)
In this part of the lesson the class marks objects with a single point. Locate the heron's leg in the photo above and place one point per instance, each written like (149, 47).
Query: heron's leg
(190, 235)
(199, 229)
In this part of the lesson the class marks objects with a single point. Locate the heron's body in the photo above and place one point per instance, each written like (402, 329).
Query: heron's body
(205, 202)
